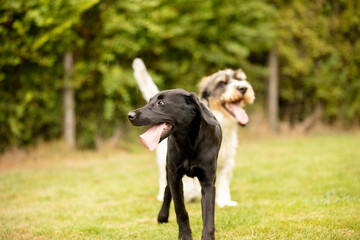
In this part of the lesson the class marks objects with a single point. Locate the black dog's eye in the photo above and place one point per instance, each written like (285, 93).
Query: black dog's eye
(160, 103)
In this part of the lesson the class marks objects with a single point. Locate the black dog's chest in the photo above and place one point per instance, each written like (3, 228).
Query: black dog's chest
(187, 168)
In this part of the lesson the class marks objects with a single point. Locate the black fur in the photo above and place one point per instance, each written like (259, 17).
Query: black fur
(193, 146)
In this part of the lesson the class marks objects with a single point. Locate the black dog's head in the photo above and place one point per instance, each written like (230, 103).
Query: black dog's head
(170, 111)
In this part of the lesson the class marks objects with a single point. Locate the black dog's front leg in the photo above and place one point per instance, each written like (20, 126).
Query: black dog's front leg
(163, 215)
(182, 218)
(208, 210)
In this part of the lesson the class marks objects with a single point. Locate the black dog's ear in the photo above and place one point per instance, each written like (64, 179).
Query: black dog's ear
(204, 110)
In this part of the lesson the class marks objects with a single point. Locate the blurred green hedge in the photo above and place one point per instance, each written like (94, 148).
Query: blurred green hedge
(180, 41)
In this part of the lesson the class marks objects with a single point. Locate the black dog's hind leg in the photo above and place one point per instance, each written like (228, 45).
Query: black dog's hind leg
(163, 215)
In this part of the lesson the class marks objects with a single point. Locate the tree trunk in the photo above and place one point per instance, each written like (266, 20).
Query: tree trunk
(273, 91)
(68, 102)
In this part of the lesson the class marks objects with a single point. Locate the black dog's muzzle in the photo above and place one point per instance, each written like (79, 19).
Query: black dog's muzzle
(132, 115)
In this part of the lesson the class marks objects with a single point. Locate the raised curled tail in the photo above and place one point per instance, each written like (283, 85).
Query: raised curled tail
(143, 79)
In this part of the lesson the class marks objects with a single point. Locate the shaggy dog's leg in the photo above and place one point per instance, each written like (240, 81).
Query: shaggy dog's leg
(223, 197)
(161, 161)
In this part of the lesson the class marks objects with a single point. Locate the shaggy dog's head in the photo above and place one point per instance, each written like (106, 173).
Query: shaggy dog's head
(227, 91)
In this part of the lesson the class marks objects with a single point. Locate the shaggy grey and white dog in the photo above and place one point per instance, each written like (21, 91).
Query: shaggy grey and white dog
(226, 93)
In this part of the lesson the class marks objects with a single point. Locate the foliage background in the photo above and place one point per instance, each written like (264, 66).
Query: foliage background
(180, 41)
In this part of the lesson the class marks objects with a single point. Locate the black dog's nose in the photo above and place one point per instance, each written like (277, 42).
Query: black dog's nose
(242, 90)
(131, 115)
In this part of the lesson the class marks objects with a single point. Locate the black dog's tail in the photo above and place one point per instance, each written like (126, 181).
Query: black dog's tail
(163, 216)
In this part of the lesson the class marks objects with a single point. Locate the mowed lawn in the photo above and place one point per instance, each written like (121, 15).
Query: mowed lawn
(286, 188)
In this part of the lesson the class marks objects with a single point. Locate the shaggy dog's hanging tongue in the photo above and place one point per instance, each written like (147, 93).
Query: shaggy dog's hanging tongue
(239, 113)
(152, 136)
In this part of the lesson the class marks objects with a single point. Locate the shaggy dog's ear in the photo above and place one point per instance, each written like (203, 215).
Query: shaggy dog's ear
(240, 74)
(205, 112)
(204, 94)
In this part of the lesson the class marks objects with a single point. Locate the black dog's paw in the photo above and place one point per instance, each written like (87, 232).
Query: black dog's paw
(163, 218)
(185, 237)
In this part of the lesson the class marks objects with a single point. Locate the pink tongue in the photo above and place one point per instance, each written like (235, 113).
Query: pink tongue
(239, 113)
(152, 136)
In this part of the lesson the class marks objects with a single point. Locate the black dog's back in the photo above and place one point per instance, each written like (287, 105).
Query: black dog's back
(194, 138)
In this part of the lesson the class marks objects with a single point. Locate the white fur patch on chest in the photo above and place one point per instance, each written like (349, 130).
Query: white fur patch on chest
(229, 140)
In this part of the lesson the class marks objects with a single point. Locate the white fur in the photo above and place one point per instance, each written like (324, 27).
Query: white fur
(229, 125)
(226, 162)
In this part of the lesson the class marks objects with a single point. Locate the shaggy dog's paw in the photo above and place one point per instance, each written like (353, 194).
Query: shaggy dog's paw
(229, 203)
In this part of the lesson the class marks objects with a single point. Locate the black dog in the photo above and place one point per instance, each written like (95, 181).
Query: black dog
(193, 145)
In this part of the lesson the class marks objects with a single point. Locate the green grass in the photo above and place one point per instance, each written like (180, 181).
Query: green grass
(287, 188)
